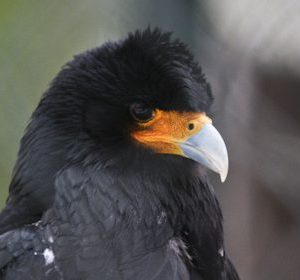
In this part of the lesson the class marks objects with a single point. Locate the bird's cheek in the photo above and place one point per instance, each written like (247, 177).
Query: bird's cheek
(163, 147)
(165, 133)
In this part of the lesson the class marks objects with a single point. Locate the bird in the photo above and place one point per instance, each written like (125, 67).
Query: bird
(111, 180)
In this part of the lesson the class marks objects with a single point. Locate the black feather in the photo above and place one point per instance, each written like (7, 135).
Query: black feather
(109, 208)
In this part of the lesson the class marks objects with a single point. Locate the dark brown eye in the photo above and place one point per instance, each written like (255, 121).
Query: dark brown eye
(191, 126)
(141, 113)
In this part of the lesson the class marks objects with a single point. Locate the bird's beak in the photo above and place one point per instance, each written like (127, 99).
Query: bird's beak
(208, 148)
(190, 135)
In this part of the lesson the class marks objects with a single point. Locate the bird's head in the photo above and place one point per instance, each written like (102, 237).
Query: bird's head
(140, 98)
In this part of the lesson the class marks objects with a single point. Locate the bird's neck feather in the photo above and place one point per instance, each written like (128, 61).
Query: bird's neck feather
(111, 199)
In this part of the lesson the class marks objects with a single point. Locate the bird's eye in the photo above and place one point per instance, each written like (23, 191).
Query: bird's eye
(191, 126)
(141, 113)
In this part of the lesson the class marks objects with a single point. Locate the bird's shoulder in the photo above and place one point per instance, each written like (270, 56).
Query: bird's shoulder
(25, 254)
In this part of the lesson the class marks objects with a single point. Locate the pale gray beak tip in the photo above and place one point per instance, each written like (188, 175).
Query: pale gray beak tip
(223, 175)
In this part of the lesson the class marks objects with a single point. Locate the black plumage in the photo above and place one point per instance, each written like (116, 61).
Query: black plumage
(87, 201)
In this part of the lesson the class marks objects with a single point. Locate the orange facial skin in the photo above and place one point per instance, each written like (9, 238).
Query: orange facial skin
(168, 129)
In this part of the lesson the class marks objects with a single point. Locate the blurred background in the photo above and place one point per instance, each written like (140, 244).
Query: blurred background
(250, 52)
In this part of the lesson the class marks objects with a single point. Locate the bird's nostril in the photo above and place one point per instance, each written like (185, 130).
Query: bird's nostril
(191, 126)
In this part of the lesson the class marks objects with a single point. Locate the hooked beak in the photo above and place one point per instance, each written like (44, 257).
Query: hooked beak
(208, 148)
(186, 134)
